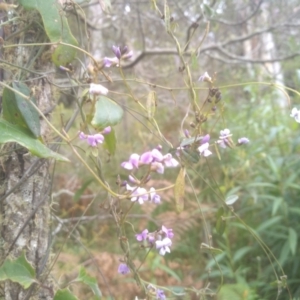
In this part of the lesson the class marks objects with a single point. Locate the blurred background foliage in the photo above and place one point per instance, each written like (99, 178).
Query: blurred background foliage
(248, 46)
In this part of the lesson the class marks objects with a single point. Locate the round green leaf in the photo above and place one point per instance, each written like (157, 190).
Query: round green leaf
(107, 113)
(18, 270)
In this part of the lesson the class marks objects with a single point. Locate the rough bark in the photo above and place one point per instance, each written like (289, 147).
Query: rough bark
(24, 198)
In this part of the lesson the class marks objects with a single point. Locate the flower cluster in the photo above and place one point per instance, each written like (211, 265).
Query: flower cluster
(120, 53)
(295, 113)
(155, 159)
(161, 239)
(225, 140)
(95, 139)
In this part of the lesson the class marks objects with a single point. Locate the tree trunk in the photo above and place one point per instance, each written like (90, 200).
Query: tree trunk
(24, 179)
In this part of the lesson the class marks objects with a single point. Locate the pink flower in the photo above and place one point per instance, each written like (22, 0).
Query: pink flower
(142, 236)
(132, 163)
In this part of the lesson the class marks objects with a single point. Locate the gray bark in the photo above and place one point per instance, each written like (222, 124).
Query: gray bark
(24, 179)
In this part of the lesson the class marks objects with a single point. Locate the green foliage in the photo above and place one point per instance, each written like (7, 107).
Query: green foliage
(268, 202)
(56, 27)
(17, 134)
(18, 111)
(18, 270)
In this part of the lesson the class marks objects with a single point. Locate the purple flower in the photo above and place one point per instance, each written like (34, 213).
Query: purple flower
(132, 163)
(106, 130)
(225, 133)
(159, 147)
(133, 180)
(142, 236)
(146, 158)
(243, 141)
(153, 196)
(82, 136)
(123, 269)
(163, 246)
(203, 149)
(154, 158)
(94, 140)
(117, 51)
(121, 52)
(295, 113)
(160, 294)
(169, 161)
(224, 138)
(205, 139)
(157, 167)
(108, 61)
(168, 232)
(157, 155)
(97, 89)
(151, 239)
(186, 133)
(138, 194)
(205, 77)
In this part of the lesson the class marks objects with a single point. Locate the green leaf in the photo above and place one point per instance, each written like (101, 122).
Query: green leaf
(240, 253)
(284, 253)
(80, 191)
(194, 61)
(190, 141)
(56, 27)
(169, 271)
(269, 223)
(90, 281)
(293, 239)
(16, 134)
(29, 113)
(18, 270)
(110, 142)
(179, 190)
(207, 11)
(64, 294)
(220, 224)
(18, 110)
(107, 113)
